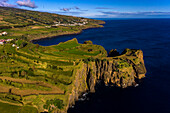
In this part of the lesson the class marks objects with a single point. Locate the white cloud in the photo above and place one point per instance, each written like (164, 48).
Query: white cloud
(26, 3)
(4, 3)
(72, 8)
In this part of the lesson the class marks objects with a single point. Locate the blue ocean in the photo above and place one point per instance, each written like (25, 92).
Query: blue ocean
(152, 95)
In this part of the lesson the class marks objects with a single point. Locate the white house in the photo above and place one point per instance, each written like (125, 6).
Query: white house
(48, 26)
(4, 33)
(8, 40)
(13, 45)
(1, 43)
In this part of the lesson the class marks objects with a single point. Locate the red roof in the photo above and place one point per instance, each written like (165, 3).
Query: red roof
(2, 40)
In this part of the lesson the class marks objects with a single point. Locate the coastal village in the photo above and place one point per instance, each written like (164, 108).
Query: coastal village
(4, 41)
(71, 23)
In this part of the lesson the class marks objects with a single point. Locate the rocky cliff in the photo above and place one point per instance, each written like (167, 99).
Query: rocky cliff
(120, 71)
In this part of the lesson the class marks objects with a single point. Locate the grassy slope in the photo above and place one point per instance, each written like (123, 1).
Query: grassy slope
(33, 75)
(52, 65)
(8, 108)
(31, 24)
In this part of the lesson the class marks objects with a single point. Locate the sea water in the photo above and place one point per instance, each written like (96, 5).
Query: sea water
(152, 95)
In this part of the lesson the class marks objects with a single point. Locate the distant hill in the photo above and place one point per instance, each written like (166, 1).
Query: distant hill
(13, 17)
(33, 25)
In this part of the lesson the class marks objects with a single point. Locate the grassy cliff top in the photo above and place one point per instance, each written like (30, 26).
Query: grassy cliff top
(33, 75)
(36, 77)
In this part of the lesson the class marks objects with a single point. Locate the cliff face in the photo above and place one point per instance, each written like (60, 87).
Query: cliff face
(121, 71)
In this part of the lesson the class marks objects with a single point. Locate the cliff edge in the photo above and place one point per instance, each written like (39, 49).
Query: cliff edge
(120, 71)
(51, 79)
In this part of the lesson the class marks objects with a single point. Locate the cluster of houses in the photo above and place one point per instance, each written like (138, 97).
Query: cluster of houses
(13, 45)
(70, 24)
(81, 23)
(3, 41)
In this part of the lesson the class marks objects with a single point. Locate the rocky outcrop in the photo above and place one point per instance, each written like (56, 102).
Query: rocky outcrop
(113, 53)
(88, 42)
(121, 71)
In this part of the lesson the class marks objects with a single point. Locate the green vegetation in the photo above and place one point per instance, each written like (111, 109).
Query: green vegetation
(35, 75)
(122, 63)
(52, 104)
(31, 25)
(20, 18)
(8, 108)
(36, 78)
(34, 70)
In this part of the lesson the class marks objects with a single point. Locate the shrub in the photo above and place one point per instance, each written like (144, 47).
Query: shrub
(23, 44)
(8, 49)
(19, 42)
(51, 104)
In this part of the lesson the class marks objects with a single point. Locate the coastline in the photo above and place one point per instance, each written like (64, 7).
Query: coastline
(52, 35)
(102, 72)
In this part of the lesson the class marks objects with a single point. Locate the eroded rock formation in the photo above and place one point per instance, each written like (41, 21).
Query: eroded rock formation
(120, 71)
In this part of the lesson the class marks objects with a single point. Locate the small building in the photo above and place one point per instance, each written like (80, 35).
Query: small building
(84, 20)
(8, 40)
(4, 33)
(48, 26)
(13, 45)
(57, 22)
(2, 42)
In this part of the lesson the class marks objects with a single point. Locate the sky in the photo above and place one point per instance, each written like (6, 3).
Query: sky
(97, 8)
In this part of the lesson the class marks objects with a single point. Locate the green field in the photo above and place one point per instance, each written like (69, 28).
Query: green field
(33, 70)
(31, 25)
(8, 108)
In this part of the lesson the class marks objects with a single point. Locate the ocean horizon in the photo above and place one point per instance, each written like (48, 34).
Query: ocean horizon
(104, 19)
(152, 36)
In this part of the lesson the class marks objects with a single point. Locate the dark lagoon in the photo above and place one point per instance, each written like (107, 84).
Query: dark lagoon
(152, 95)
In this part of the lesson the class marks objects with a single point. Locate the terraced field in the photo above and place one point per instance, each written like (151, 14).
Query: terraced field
(36, 78)
(16, 109)
(34, 75)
